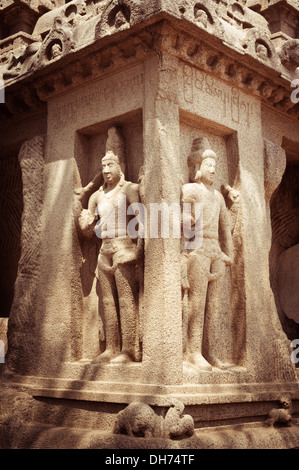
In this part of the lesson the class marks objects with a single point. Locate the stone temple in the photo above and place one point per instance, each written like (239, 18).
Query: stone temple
(149, 246)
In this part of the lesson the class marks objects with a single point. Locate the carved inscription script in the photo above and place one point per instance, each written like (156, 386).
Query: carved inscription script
(198, 88)
(105, 97)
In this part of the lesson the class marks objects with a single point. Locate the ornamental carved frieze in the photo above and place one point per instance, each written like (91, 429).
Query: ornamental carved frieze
(242, 52)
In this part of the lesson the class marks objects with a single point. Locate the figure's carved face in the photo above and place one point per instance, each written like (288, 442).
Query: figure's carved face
(111, 171)
(207, 169)
(120, 19)
(262, 51)
(56, 50)
(201, 17)
(82, 9)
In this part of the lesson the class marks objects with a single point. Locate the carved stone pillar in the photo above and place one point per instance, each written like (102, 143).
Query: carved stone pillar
(162, 343)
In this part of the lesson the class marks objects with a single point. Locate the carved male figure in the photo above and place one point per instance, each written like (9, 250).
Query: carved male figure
(119, 253)
(205, 264)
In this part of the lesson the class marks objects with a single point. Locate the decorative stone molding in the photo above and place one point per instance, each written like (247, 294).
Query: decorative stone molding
(232, 23)
(16, 17)
(242, 55)
(73, 13)
(162, 38)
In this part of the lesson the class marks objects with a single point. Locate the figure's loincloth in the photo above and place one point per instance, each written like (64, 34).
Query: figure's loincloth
(115, 251)
(210, 248)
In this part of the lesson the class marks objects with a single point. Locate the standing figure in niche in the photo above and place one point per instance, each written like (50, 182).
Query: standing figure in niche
(205, 265)
(118, 256)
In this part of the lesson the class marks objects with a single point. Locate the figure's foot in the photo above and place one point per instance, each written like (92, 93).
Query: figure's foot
(219, 364)
(199, 361)
(123, 358)
(106, 356)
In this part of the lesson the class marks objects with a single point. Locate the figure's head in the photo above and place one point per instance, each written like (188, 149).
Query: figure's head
(111, 168)
(113, 163)
(262, 51)
(201, 17)
(207, 168)
(56, 50)
(81, 8)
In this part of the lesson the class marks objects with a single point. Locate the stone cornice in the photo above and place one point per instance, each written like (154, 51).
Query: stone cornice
(239, 70)
(163, 33)
(287, 4)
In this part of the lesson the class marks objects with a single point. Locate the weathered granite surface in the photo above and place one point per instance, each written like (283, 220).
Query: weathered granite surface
(123, 333)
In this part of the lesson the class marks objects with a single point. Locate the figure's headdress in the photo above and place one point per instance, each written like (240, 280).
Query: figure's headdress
(115, 147)
(201, 149)
(111, 156)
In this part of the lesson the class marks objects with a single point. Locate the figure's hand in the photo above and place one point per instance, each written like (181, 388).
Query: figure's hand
(128, 256)
(230, 193)
(226, 259)
(198, 176)
(234, 195)
(87, 222)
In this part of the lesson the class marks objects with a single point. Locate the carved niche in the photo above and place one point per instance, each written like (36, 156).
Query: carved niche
(112, 273)
(208, 215)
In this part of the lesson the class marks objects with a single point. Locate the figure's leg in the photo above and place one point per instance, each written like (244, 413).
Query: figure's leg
(185, 320)
(184, 291)
(198, 268)
(108, 297)
(127, 290)
(213, 321)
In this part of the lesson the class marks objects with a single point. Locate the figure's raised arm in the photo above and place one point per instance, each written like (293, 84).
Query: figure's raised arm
(93, 203)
